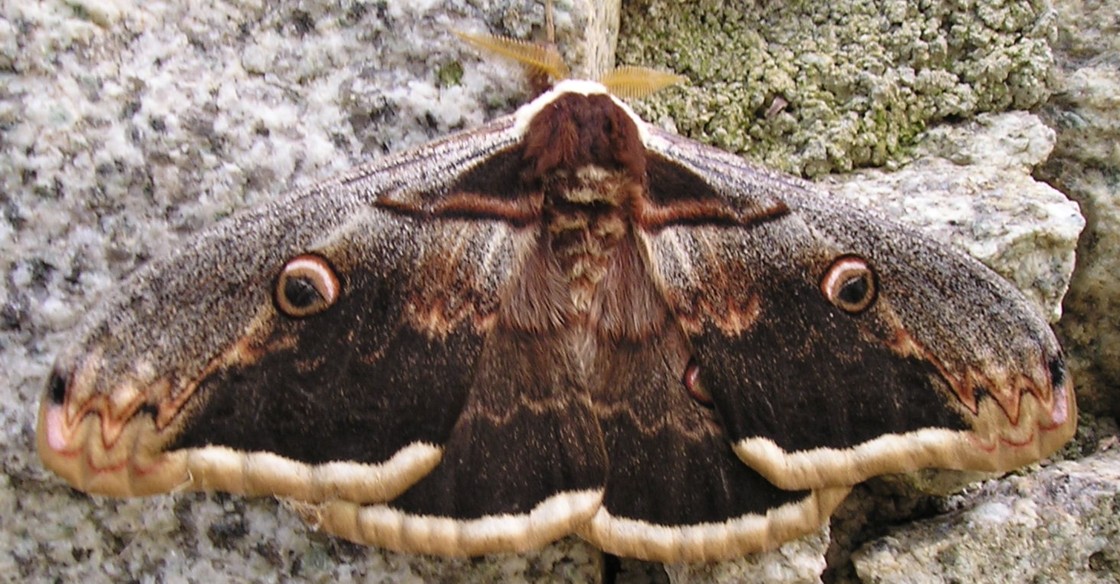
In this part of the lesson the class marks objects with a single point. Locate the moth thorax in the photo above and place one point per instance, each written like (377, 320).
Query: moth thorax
(586, 212)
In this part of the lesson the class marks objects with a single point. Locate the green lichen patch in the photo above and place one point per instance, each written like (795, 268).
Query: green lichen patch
(815, 87)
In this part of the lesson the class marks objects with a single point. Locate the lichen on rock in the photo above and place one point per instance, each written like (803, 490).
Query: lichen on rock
(819, 87)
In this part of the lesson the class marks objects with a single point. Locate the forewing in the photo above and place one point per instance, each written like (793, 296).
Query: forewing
(192, 377)
(837, 345)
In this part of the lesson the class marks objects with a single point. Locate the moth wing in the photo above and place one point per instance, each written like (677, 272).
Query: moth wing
(126, 403)
(195, 377)
(837, 345)
(676, 492)
(523, 465)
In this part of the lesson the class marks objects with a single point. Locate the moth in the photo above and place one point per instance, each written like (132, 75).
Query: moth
(564, 321)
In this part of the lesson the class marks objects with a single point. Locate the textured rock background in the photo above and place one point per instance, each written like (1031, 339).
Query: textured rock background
(1085, 110)
(1060, 524)
(126, 126)
(815, 87)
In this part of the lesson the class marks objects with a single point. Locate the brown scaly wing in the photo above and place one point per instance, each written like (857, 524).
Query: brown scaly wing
(121, 415)
(676, 491)
(337, 345)
(837, 345)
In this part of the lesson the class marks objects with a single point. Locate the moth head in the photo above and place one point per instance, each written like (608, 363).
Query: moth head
(307, 285)
(850, 284)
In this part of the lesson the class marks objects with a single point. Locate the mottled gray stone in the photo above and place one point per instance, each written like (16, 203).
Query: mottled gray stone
(126, 127)
(819, 87)
(129, 126)
(1085, 111)
(1060, 524)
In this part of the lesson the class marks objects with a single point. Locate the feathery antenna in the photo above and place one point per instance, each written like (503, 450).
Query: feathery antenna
(544, 64)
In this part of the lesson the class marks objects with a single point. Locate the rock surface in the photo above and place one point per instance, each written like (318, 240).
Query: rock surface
(819, 87)
(1061, 524)
(128, 126)
(1085, 111)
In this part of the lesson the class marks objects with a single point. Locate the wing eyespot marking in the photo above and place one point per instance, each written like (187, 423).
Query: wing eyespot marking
(850, 284)
(695, 387)
(306, 286)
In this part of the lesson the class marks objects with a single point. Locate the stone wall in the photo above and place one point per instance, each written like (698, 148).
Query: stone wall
(126, 127)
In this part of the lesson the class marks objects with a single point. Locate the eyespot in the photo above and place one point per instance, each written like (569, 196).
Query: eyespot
(850, 284)
(696, 390)
(306, 286)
